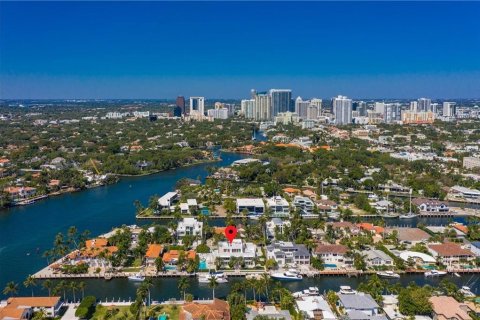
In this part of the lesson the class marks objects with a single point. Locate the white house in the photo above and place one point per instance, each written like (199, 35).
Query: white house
(189, 206)
(304, 204)
(288, 253)
(333, 254)
(276, 224)
(278, 206)
(376, 258)
(167, 200)
(189, 226)
(238, 249)
(315, 307)
(428, 205)
(253, 206)
(466, 192)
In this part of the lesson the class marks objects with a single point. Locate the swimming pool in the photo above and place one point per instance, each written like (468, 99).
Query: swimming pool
(202, 265)
(169, 268)
(330, 265)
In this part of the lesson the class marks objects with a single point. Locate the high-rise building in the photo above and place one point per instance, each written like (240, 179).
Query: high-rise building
(449, 109)
(180, 103)
(248, 108)
(197, 106)
(413, 106)
(392, 113)
(424, 104)
(301, 107)
(281, 100)
(342, 110)
(315, 102)
(263, 106)
(361, 107)
(380, 107)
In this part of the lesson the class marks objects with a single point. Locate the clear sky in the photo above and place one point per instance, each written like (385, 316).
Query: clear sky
(223, 49)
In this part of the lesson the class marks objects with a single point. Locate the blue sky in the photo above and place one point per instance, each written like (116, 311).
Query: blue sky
(223, 49)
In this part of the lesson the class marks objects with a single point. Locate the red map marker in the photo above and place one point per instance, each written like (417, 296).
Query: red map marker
(230, 233)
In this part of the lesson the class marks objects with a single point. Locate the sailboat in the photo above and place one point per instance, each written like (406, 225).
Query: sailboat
(410, 214)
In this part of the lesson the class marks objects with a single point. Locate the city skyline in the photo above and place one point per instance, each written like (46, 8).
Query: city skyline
(68, 50)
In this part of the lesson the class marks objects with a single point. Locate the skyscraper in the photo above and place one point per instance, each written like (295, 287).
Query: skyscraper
(180, 103)
(413, 106)
(424, 104)
(197, 106)
(281, 100)
(449, 109)
(301, 107)
(342, 110)
(248, 108)
(263, 106)
(361, 107)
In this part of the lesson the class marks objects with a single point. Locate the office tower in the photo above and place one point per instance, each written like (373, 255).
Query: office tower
(449, 109)
(281, 100)
(180, 103)
(177, 111)
(248, 108)
(197, 106)
(392, 113)
(318, 104)
(253, 93)
(413, 106)
(435, 108)
(342, 110)
(263, 106)
(424, 104)
(301, 107)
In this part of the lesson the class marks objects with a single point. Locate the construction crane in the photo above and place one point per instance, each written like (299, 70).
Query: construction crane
(94, 166)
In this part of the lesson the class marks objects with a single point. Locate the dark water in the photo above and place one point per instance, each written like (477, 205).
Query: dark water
(24, 229)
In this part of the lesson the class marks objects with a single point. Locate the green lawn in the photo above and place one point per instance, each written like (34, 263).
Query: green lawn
(123, 313)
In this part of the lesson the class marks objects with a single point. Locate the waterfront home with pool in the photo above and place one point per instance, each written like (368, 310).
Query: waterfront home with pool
(24, 307)
(451, 254)
(288, 253)
(333, 254)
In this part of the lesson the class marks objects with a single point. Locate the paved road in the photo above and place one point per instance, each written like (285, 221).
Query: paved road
(70, 313)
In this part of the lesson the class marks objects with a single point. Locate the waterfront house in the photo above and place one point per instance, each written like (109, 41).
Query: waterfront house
(315, 307)
(153, 252)
(238, 249)
(376, 258)
(344, 228)
(333, 254)
(288, 253)
(167, 200)
(269, 312)
(368, 227)
(291, 191)
(216, 310)
(428, 205)
(278, 206)
(447, 308)
(189, 226)
(451, 254)
(188, 207)
(20, 193)
(254, 206)
(24, 307)
(171, 257)
(417, 258)
(304, 204)
(358, 302)
(325, 205)
(95, 253)
(465, 193)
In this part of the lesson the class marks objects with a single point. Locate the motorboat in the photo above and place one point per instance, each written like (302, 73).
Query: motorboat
(136, 277)
(347, 290)
(388, 274)
(435, 273)
(311, 291)
(409, 215)
(467, 292)
(220, 277)
(289, 275)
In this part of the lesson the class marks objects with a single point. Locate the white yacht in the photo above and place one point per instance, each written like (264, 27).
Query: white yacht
(220, 277)
(311, 291)
(435, 273)
(388, 274)
(347, 290)
(467, 292)
(290, 275)
(136, 277)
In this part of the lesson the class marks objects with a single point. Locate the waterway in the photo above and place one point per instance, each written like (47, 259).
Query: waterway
(28, 229)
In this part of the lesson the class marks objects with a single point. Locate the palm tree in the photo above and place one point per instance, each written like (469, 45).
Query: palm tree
(62, 286)
(183, 285)
(81, 286)
(148, 283)
(10, 289)
(73, 285)
(47, 284)
(265, 281)
(30, 282)
(159, 264)
(212, 283)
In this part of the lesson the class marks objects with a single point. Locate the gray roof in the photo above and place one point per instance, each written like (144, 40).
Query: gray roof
(359, 301)
(476, 244)
(358, 315)
(372, 254)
